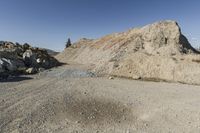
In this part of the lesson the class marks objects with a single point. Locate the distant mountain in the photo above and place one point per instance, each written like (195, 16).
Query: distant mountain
(51, 52)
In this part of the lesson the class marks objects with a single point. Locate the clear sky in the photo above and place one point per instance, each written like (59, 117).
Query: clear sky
(48, 23)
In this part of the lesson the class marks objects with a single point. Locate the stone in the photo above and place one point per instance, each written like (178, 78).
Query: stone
(9, 45)
(136, 77)
(29, 58)
(78, 122)
(38, 61)
(26, 46)
(2, 69)
(41, 69)
(7, 65)
(111, 77)
(45, 63)
(31, 70)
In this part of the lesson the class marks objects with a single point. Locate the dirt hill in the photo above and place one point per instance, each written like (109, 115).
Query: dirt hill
(157, 51)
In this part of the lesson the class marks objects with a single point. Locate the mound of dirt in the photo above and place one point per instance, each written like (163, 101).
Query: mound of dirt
(157, 51)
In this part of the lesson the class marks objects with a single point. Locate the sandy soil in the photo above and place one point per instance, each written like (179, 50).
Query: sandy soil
(54, 102)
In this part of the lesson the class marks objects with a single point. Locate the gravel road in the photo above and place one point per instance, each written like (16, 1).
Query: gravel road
(74, 100)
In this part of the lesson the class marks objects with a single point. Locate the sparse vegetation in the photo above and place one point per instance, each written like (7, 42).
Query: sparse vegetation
(68, 44)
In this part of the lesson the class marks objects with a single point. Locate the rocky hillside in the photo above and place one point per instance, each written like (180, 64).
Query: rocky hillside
(16, 58)
(157, 51)
(51, 52)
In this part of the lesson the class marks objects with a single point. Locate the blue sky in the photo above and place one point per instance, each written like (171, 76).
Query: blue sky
(48, 23)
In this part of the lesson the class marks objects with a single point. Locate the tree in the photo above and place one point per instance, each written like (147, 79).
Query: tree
(68, 44)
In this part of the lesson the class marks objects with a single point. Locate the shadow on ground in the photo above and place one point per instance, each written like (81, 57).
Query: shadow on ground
(14, 78)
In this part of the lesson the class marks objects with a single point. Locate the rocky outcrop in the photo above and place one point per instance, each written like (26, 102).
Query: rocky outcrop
(16, 58)
(157, 51)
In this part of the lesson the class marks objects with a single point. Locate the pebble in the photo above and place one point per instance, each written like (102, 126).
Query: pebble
(19, 126)
(81, 113)
(78, 122)
(110, 77)
(146, 124)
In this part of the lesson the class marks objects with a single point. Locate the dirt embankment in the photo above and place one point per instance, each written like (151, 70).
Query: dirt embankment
(157, 51)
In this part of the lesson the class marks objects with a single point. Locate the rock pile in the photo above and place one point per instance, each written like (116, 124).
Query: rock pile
(16, 58)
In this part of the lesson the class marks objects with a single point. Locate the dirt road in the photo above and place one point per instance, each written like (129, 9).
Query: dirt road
(69, 100)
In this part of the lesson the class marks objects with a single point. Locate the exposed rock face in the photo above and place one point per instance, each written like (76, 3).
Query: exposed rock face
(157, 51)
(16, 58)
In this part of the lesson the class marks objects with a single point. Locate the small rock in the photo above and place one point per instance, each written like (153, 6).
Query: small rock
(111, 77)
(41, 69)
(146, 124)
(19, 126)
(31, 70)
(78, 122)
(38, 60)
(136, 77)
(81, 113)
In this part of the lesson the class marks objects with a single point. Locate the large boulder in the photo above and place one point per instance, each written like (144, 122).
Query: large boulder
(29, 58)
(2, 69)
(7, 64)
(10, 65)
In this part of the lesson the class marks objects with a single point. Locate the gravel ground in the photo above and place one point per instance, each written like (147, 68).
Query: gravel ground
(73, 100)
